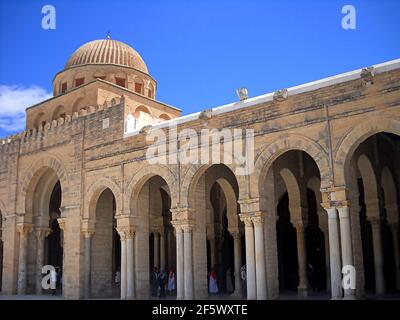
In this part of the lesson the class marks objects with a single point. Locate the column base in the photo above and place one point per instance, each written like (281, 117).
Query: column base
(236, 295)
(302, 291)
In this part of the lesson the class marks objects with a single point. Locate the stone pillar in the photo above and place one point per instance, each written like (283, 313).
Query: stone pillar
(169, 248)
(130, 266)
(41, 234)
(23, 230)
(250, 257)
(238, 262)
(213, 251)
(395, 235)
(179, 264)
(327, 260)
(378, 254)
(334, 253)
(162, 250)
(88, 263)
(302, 259)
(258, 222)
(346, 243)
(188, 263)
(156, 249)
(123, 264)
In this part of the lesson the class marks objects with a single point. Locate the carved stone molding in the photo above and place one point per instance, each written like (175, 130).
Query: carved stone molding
(246, 219)
(24, 228)
(145, 129)
(42, 232)
(367, 76)
(62, 223)
(126, 232)
(184, 213)
(280, 95)
(205, 115)
(258, 218)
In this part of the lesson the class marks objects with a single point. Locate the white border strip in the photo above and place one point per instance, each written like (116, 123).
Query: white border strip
(310, 86)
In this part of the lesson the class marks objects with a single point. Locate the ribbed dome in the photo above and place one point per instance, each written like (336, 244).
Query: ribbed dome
(107, 51)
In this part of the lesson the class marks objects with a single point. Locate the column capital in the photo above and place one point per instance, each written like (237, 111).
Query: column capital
(183, 225)
(42, 232)
(61, 222)
(126, 232)
(24, 228)
(246, 219)
(88, 227)
(258, 218)
(183, 213)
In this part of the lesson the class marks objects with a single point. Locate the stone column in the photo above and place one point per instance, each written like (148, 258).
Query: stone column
(346, 243)
(130, 266)
(162, 250)
(327, 260)
(179, 264)
(123, 264)
(378, 255)
(213, 251)
(156, 250)
(302, 259)
(258, 222)
(238, 262)
(41, 234)
(23, 230)
(169, 248)
(188, 264)
(250, 257)
(334, 254)
(88, 263)
(395, 235)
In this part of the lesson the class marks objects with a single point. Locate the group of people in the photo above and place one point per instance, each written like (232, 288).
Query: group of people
(229, 287)
(162, 282)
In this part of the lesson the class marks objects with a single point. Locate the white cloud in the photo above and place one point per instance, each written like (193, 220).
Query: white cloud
(13, 102)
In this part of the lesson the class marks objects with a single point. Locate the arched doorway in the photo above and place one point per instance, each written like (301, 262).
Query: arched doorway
(45, 243)
(301, 249)
(373, 178)
(213, 195)
(151, 205)
(106, 249)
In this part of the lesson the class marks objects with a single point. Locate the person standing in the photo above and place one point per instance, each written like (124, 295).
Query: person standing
(154, 282)
(53, 279)
(171, 281)
(243, 277)
(213, 286)
(163, 278)
(228, 279)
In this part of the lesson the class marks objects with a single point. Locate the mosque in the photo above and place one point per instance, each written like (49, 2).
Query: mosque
(78, 192)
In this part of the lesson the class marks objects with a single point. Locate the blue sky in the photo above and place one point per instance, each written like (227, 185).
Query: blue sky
(198, 51)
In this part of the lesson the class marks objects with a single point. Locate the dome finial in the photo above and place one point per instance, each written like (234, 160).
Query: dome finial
(108, 35)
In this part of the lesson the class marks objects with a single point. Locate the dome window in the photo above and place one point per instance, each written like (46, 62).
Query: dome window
(63, 87)
(120, 82)
(138, 87)
(79, 82)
